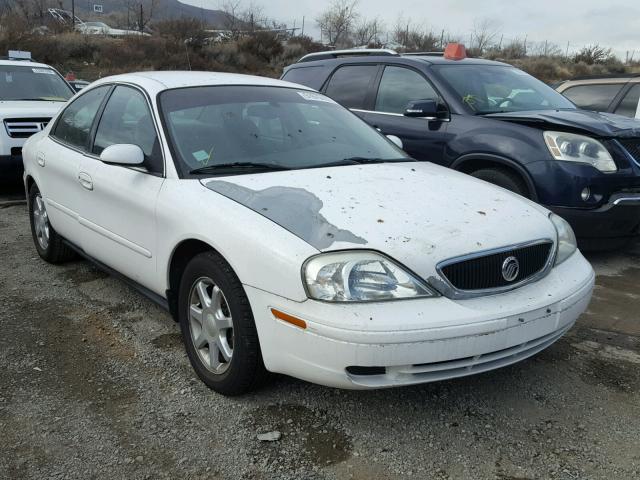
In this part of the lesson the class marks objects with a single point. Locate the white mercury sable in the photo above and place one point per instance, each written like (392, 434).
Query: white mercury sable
(285, 234)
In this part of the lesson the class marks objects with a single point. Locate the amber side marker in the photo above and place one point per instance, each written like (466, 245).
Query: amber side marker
(285, 317)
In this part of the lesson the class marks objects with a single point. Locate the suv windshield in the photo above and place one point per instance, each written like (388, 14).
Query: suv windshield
(492, 88)
(18, 82)
(219, 128)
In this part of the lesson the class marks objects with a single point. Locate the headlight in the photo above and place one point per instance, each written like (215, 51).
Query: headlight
(360, 276)
(566, 238)
(579, 148)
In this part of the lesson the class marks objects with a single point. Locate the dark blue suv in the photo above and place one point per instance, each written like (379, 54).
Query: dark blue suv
(499, 124)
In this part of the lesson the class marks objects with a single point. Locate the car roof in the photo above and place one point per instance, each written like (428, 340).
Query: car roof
(25, 63)
(165, 80)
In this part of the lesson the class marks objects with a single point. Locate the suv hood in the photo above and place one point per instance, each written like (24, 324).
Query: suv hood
(606, 125)
(29, 109)
(415, 212)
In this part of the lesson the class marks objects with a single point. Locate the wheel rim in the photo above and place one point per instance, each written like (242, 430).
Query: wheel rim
(211, 325)
(41, 222)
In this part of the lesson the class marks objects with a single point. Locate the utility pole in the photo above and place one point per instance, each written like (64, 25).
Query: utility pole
(442, 40)
(73, 15)
(500, 44)
(303, 26)
(140, 24)
(567, 52)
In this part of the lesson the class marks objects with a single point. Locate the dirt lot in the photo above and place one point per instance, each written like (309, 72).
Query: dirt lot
(95, 384)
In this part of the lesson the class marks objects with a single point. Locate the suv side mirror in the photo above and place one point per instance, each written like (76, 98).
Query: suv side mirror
(123, 154)
(427, 109)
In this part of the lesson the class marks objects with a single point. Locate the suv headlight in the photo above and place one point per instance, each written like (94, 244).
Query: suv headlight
(570, 147)
(566, 238)
(360, 276)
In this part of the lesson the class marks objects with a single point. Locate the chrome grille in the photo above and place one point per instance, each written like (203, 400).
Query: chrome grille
(24, 127)
(486, 271)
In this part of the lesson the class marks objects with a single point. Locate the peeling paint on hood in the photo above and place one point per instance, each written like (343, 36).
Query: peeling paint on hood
(415, 212)
(294, 209)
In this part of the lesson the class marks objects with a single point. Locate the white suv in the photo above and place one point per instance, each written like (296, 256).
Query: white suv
(30, 95)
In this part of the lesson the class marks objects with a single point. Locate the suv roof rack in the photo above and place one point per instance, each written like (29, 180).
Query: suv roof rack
(425, 54)
(354, 52)
(609, 75)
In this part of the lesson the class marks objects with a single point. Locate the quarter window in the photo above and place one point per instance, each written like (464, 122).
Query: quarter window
(593, 97)
(127, 119)
(74, 126)
(349, 85)
(398, 87)
(629, 105)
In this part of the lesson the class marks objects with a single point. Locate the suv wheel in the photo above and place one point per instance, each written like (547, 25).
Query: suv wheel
(218, 327)
(503, 178)
(49, 244)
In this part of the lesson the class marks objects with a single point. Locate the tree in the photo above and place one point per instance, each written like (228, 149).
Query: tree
(337, 21)
(367, 32)
(592, 54)
(484, 33)
(413, 38)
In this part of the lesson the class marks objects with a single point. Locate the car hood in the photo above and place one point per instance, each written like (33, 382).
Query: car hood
(417, 213)
(29, 109)
(606, 125)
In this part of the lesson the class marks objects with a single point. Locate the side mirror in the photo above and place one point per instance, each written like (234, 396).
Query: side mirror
(123, 154)
(396, 140)
(427, 109)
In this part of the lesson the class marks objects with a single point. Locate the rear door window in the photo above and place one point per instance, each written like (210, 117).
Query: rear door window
(629, 104)
(398, 87)
(74, 125)
(308, 76)
(595, 97)
(350, 85)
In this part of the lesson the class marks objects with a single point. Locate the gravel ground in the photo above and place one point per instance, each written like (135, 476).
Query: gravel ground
(95, 384)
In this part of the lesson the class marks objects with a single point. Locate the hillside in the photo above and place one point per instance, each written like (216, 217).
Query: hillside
(163, 9)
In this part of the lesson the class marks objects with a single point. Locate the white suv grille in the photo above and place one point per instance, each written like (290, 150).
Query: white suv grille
(24, 127)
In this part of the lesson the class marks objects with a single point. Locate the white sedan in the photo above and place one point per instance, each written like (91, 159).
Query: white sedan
(286, 235)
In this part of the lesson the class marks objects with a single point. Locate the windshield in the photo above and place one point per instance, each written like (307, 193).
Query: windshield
(282, 128)
(19, 82)
(492, 88)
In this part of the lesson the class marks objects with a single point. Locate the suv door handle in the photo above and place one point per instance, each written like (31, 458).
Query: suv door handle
(85, 180)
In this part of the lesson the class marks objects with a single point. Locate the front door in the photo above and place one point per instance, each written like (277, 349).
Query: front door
(118, 211)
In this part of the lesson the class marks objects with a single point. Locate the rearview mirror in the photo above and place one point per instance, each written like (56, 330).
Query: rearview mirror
(427, 109)
(123, 154)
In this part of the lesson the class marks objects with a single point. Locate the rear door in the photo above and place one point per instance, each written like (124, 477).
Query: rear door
(118, 210)
(60, 157)
(397, 87)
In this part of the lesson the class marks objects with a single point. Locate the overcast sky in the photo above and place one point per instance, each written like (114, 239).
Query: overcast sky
(614, 23)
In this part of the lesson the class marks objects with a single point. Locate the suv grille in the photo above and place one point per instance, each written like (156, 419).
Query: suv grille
(493, 272)
(632, 146)
(25, 127)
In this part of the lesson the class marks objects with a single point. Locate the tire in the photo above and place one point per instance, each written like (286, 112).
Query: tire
(48, 243)
(219, 333)
(503, 178)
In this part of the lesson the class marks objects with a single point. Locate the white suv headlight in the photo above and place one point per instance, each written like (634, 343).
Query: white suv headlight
(570, 147)
(566, 238)
(360, 276)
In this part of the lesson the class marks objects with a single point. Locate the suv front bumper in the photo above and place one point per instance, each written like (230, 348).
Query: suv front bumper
(11, 166)
(609, 226)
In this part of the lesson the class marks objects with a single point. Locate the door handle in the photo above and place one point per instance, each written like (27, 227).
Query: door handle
(85, 180)
(40, 159)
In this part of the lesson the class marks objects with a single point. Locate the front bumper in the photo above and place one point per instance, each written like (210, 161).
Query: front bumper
(617, 220)
(11, 167)
(418, 341)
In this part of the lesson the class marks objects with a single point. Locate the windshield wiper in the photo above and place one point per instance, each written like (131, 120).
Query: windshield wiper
(489, 112)
(365, 160)
(271, 167)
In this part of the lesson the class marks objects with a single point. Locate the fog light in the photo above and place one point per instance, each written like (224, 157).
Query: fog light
(586, 194)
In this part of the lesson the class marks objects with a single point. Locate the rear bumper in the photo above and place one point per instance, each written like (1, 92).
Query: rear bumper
(616, 221)
(410, 342)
